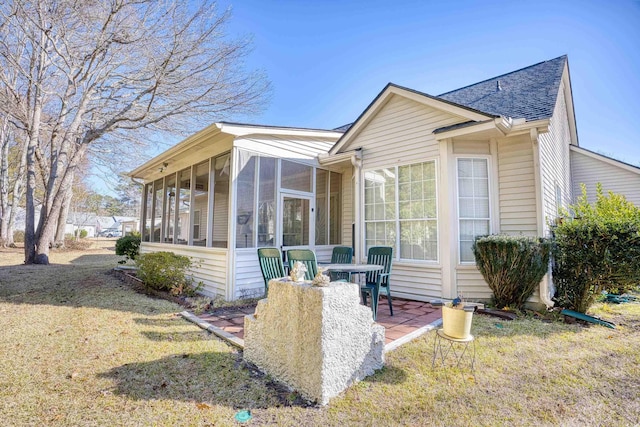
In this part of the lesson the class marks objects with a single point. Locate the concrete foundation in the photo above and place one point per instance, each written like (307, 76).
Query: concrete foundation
(318, 340)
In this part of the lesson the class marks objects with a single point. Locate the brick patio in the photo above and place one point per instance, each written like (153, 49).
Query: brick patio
(408, 318)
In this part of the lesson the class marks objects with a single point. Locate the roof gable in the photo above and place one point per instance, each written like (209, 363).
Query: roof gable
(465, 113)
(528, 93)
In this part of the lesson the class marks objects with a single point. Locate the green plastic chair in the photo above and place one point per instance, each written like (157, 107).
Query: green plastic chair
(305, 256)
(341, 255)
(271, 265)
(377, 282)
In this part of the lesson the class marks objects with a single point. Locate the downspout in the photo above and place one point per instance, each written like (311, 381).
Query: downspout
(545, 285)
(356, 162)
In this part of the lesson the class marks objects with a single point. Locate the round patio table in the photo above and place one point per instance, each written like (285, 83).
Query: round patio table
(358, 269)
(351, 268)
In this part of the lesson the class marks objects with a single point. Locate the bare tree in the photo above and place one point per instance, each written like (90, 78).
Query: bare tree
(13, 159)
(106, 73)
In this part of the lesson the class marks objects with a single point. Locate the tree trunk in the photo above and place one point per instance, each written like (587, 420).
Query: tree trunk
(62, 219)
(29, 229)
(4, 183)
(51, 213)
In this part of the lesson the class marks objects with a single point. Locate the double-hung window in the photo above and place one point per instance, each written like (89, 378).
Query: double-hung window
(473, 203)
(401, 210)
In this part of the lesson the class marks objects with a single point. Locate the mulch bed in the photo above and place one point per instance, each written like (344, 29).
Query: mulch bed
(136, 284)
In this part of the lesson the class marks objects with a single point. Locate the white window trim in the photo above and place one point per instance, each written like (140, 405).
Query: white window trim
(363, 239)
(490, 189)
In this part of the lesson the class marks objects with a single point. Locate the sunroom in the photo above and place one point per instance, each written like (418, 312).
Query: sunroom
(230, 189)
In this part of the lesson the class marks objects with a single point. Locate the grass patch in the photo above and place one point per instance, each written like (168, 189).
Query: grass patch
(81, 348)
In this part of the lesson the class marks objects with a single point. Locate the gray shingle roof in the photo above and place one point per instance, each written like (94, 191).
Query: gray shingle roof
(528, 93)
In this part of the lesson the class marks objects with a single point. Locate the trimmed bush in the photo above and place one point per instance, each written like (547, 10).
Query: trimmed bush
(512, 266)
(128, 246)
(166, 271)
(596, 250)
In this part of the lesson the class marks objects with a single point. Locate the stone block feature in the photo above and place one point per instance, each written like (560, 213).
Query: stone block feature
(317, 340)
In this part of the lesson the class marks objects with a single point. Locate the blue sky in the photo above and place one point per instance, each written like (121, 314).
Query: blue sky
(327, 60)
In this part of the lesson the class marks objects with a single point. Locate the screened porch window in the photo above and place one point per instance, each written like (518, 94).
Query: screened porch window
(169, 208)
(267, 202)
(221, 170)
(148, 213)
(176, 210)
(296, 176)
(473, 203)
(200, 204)
(260, 194)
(184, 205)
(401, 209)
(245, 209)
(328, 207)
(157, 209)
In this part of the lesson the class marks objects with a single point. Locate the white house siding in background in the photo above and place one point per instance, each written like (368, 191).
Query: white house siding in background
(555, 162)
(591, 168)
(210, 264)
(402, 133)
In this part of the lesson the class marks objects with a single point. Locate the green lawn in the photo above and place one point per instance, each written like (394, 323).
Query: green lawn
(81, 348)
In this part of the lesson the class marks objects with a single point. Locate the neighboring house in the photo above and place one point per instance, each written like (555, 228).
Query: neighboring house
(590, 168)
(424, 174)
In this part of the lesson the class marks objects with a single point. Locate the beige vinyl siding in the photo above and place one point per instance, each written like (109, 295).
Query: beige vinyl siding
(516, 186)
(401, 132)
(471, 284)
(590, 170)
(554, 161)
(416, 282)
(471, 147)
(211, 264)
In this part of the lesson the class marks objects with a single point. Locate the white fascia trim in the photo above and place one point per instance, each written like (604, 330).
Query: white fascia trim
(501, 124)
(177, 149)
(605, 159)
(472, 128)
(240, 130)
(234, 130)
(391, 90)
(541, 126)
(332, 159)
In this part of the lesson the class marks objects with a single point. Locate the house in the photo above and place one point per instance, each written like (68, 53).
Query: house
(424, 174)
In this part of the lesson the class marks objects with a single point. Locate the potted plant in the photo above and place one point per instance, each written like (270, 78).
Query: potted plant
(456, 319)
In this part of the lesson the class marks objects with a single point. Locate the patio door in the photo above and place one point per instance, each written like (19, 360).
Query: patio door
(296, 221)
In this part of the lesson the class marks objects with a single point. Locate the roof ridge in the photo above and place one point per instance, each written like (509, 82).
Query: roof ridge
(502, 75)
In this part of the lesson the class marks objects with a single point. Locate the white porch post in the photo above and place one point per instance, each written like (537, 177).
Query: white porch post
(231, 236)
(447, 220)
(358, 230)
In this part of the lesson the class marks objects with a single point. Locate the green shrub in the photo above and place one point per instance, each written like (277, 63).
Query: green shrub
(83, 233)
(512, 266)
(18, 236)
(596, 248)
(166, 271)
(129, 247)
